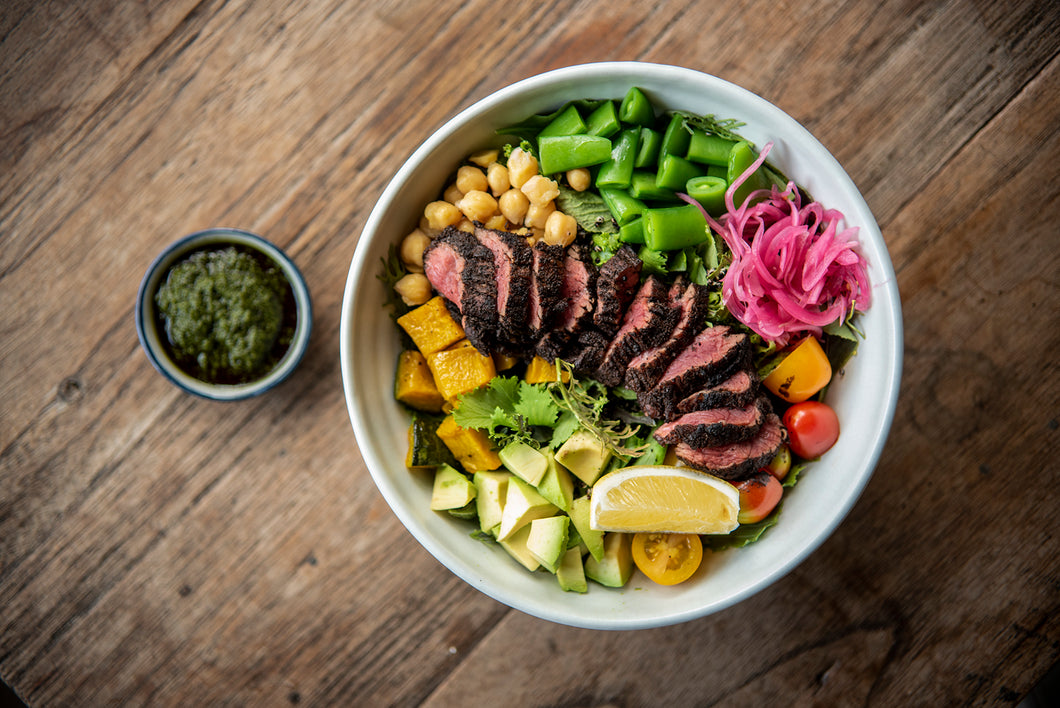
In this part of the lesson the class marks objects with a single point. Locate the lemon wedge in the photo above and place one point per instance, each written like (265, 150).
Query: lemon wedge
(661, 498)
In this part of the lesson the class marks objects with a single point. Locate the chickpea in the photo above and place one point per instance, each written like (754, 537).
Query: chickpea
(483, 158)
(521, 167)
(560, 229)
(513, 205)
(478, 205)
(452, 194)
(412, 247)
(537, 215)
(441, 214)
(497, 176)
(540, 190)
(414, 289)
(466, 225)
(579, 179)
(497, 222)
(471, 179)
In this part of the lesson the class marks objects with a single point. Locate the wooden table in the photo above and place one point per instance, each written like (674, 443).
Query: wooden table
(156, 548)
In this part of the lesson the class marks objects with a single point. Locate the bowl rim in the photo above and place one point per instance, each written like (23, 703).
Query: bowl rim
(580, 74)
(150, 341)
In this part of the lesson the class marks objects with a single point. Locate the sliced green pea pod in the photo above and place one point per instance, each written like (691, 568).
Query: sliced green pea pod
(621, 205)
(648, 148)
(642, 185)
(617, 171)
(742, 157)
(632, 232)
(603, 121)
(559, 153)
(636, 109)
(568, 122)
(676, 138)
(709, 149)
(708, 191)
(674, 172)
(671, 228)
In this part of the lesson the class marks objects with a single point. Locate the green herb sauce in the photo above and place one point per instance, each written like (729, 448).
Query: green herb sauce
(228, 314)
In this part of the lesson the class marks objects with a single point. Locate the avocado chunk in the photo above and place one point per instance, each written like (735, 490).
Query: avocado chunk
(515, 544)
(522, 504)
(584, 455)
(593, 539)
(491, 489)
(548, 540)
(452, 489)
(524, 461)
(571, 574)
(557, 485)
(616, 567)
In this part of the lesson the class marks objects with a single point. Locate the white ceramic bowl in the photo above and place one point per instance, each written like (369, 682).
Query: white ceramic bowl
(151, 337)
(864, 396)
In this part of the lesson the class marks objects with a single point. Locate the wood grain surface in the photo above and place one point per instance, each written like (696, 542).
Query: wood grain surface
(158, 549)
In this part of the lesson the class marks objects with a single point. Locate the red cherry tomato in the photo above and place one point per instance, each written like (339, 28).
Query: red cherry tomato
(759, 495)
(813, 428)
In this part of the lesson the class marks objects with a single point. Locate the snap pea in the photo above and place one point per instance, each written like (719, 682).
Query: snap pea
(708, 149)
(648, 148)
(708, 191)
(740, 158)
(674, 172)
(676, 137)
(603, 121)
(671, 228)
(621, 205)
(642, 185)
(633, 232)
(568, 122)
(636, 108)
(559, 153)
(618, 170)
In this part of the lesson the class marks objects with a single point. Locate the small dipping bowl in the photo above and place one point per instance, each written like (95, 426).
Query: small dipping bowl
(153, 337)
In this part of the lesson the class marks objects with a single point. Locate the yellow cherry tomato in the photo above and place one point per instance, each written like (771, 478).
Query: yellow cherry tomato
(667, 558)
(802, 373)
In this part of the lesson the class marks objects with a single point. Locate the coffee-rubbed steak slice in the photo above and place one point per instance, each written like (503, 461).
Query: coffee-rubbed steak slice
(587, 352)
(692, 301)
(648, 322)
(736, 460)
(578, 295)
(461, 269)
(512, 262)
(615, 287)
(712, 356)
(544, 300)
(736, 391)
(715, 426)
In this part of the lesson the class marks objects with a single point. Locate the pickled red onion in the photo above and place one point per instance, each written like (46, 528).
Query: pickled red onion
(793, 270)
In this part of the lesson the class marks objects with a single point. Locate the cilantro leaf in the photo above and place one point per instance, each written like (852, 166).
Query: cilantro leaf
(565, 427)
(536, 405)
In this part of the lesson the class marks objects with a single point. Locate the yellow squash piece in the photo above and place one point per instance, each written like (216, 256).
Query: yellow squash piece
(540, 371)
(470, 446)
(459, 369)
(503, 362)
(414, 384)
(430, 326)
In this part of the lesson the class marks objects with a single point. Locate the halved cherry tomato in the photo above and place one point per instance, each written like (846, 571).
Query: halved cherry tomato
(813, 428)
(667, 558)
(780, 465)
(759, 495)
(802, 373)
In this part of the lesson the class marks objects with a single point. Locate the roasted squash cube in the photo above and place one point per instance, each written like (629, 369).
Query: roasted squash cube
(470, 446)
(459, 369)
(430, 326)
(540, 371)
(414, 384)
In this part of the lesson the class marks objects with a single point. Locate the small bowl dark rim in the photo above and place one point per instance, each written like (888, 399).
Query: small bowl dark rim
(147, 332)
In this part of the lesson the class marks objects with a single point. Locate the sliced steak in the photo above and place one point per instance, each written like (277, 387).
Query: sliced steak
(544, 300)
(715, 426)
(578, 296)
(461, 269)
(736, 460)
(737, 391)
(512, 264)
(691, 301)
(648, 322)
(615, 288)
(713, 355)
(587, 352)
